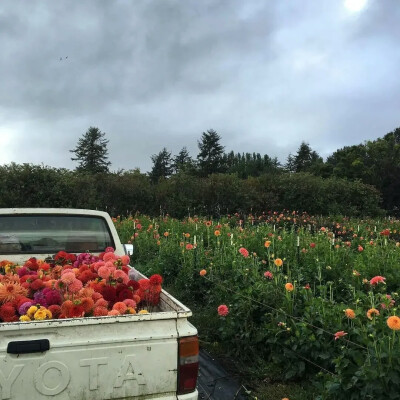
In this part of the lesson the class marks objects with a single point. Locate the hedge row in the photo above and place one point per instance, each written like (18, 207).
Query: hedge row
(131, 191)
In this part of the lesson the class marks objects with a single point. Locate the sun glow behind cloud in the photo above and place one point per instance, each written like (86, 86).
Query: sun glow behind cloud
(355, 5)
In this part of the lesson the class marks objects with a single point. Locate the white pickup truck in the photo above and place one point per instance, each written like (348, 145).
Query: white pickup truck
(142, 356)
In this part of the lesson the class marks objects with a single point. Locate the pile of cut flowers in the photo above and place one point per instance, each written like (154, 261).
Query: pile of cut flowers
(71, 286)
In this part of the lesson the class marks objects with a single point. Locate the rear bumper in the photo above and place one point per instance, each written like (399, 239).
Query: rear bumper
(189, 396)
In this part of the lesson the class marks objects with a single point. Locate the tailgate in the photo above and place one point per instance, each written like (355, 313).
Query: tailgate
(91, 358)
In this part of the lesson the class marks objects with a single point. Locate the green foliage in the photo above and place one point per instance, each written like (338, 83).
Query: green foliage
(375, 162)
(29, 185)
(91, 152)
(247, 164)
(128, 192)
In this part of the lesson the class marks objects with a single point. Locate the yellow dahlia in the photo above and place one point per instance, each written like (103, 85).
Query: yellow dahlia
(31, 311)
(40, 314)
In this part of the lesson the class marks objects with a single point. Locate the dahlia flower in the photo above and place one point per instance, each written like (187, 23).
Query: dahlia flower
(10, 291)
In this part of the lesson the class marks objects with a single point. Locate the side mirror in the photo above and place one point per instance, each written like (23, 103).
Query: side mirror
(128, 249)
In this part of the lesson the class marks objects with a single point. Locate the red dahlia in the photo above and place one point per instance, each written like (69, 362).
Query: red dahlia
(155, 280)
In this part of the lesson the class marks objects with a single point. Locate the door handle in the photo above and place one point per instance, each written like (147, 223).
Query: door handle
(28, 346)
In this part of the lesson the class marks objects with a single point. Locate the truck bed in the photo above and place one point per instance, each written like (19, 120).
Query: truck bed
(118, 357)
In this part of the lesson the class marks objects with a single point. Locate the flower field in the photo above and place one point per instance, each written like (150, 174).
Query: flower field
(297, 297)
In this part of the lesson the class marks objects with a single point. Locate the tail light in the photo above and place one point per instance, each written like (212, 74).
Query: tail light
(188, 364)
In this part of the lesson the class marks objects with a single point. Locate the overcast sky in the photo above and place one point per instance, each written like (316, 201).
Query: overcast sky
(265, 74)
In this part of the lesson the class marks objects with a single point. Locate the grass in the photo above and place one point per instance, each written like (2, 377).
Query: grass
(278, 391)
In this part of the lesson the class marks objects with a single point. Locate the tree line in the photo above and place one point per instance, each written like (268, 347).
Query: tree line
(355, 180)
(375, 163)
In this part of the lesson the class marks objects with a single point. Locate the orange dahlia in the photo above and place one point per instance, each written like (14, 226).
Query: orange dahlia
(87, 304)
(278, 262)
(393, 322)
(289, 287)
(9, 279)
(10, 291)
(349, 313)
(85, 292)
(371, 312)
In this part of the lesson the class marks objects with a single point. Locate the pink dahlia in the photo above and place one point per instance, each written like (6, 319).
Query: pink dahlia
(100, 311)
(68, 277)
(125, 260)
(101, 303)
(96, 296)
(377, 279)
(244, 252)
(340, 334)
(120, 307)
(268, 274)
(130, 303)
(98, 264)
(109, 256)
(118, 274)
(104, 272)
(75, 286)
(223, 310)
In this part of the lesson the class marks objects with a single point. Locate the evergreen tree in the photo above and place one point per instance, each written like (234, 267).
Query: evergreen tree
(211, 156)
(290, 166)
(306, 158)
(182, 161)
(91, 152)
(162, 165)
(274, 162)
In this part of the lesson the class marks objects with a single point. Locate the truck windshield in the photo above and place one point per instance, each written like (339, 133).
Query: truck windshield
(48, 234)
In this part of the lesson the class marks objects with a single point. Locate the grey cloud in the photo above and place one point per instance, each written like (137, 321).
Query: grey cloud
(265, 75)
